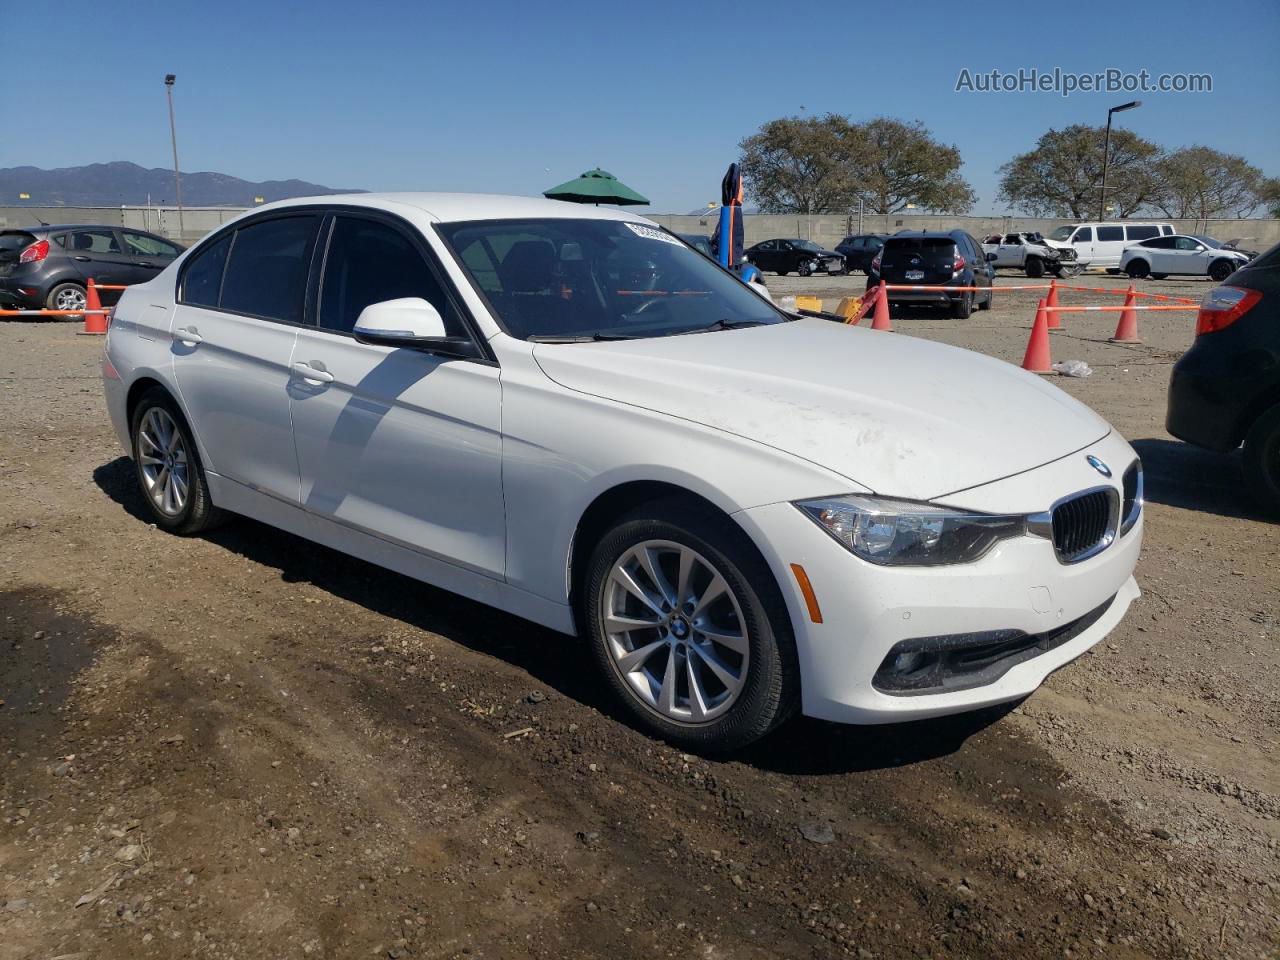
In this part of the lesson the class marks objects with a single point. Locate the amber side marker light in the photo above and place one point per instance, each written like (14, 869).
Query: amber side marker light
(810, 598)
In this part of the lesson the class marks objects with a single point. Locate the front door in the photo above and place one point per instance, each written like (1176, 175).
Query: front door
(239, 306)
(397, 443)
(147, 255)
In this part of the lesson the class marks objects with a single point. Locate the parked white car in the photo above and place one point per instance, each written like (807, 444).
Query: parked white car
(1102, 244)
(567, 413)
(1181, 255)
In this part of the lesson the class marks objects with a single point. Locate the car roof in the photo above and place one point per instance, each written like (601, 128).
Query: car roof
(454, 207)
(925, 234)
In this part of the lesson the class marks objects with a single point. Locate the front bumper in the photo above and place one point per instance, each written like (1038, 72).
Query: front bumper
(1019, 586)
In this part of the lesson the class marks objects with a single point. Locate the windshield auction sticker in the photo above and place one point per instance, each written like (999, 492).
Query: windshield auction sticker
(652, 233)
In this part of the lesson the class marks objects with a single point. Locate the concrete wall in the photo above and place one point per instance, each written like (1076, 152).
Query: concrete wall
(827, 229)
(196, 221)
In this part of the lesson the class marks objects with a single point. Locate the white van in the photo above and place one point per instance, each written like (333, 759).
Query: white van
(1101, 244)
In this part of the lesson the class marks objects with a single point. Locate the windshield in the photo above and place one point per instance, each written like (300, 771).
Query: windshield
(806, 245)
(1207, 241)
(1062, 233)
(562, 279)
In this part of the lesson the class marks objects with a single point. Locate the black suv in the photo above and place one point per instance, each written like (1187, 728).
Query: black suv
(49, 266)
(1225, 390)
(935, 259)
(859, 250)
(793, 255)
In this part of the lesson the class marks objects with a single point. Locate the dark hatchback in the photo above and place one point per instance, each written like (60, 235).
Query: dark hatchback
(1225, 390)
(793, 255)
(50, 266)
(924, 258)
(859, 250)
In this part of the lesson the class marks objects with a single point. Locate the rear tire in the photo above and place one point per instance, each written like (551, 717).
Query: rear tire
(960, 309)
(782, 273)
(750, 644)
(66, 296)
(1137, 269)
(1262, 460)
(170, 475)
(986, 304)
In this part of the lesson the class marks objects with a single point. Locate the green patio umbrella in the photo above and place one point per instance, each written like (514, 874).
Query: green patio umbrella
(595, 186)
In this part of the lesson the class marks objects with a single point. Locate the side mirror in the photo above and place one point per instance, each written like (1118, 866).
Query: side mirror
(992, 256)
(410, 322)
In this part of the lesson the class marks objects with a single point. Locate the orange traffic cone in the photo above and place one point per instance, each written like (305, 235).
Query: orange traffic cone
(881, 319)
(95, 324)
(1038, 358)
(1052, 301)
(1127, 328)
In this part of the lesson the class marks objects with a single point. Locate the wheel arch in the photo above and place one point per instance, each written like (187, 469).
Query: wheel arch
(1262, 404)
(622, 498)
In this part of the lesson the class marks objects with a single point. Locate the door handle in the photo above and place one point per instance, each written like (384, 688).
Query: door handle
(189, 335)
(308, 372)
(82, 259)
(149, 266)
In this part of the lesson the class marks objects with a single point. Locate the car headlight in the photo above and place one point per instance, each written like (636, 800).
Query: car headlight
(901, 532)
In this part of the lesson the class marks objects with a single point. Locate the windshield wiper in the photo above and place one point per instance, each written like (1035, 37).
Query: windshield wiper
(727, 325)
(578, 338)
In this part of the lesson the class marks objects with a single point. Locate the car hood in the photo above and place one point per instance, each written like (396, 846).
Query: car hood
(899, 416)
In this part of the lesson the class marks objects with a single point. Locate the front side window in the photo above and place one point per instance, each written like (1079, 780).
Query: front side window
(557, 278)
(1186, 243)
(369, 262)
(94, 241)
(202, 279)
(806, 245)
(1083, 235)
(266, 273)
(142, 245)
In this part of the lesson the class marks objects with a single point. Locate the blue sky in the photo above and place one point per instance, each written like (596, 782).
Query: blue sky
(514, 97)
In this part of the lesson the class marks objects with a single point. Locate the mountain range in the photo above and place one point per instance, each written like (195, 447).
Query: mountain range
(121, 182)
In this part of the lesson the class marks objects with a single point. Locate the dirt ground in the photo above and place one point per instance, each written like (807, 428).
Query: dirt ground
(244, 745)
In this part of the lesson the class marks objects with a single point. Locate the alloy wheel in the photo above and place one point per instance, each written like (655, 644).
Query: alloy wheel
(164, 462)
(675, 631)
(72, 298)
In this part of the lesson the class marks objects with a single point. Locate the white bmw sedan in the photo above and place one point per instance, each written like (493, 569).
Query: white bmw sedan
(567, 413)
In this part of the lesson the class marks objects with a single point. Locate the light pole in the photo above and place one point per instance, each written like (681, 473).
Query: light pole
(1106, 152)
(173, 135)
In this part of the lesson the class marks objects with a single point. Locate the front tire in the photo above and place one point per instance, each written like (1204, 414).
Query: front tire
(688, 628)
(1219, 270)
(1262, 460)
(805, 270)
(1034, 268)
(168, 468)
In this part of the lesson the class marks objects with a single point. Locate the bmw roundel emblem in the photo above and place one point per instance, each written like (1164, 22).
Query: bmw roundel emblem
(1098, 465)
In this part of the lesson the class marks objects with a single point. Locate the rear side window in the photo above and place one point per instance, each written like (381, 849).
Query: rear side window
(202, 281)
(1144, 232)
(1166, 230)
(369, 262)
(94, 241)
(1110, 233)
(266, 273)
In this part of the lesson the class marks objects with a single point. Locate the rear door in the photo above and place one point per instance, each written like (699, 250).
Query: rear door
(147, 254)
(1157, 253)
(98, 253)
(240, 304)
(396, 442)
(918, 260)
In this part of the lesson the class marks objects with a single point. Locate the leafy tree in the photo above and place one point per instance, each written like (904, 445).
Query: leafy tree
(800, 164)
(901, 164)
(1062, 175)
(824, 164)
(1202, 182)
